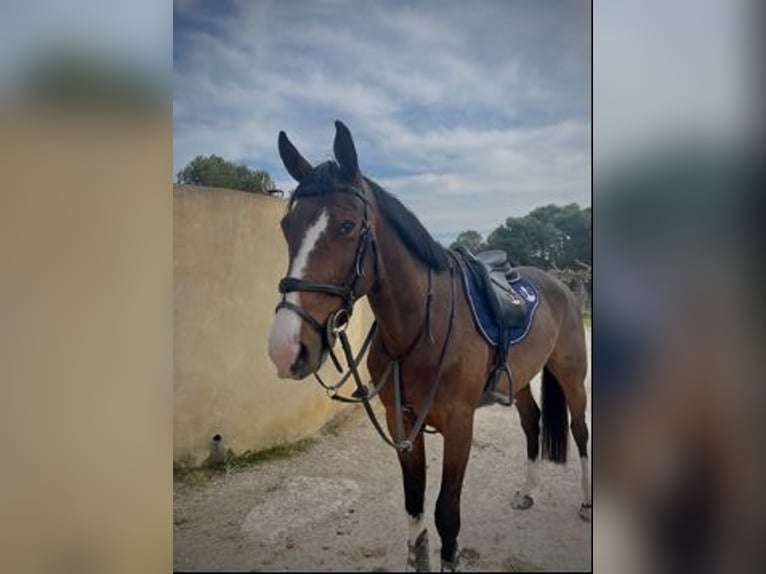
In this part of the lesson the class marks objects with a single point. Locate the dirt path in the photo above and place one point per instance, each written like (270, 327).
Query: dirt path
(339, 507)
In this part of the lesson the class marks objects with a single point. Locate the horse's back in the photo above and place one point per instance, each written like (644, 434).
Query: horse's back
(563, 306)
(552, 288)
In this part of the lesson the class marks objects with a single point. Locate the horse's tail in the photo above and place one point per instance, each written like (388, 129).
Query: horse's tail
(555, 419)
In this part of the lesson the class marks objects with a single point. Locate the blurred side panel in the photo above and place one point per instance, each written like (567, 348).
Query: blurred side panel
(678, 393)
(86, 289)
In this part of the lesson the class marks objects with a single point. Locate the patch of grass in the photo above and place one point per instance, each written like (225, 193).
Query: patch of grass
(235, 462)
(185, 473)
(250, 458)
(587, 317)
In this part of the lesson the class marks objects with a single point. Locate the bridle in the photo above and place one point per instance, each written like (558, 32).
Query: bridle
(334, 329)
(337, 321)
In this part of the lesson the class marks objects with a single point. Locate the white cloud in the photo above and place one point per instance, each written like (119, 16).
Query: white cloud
(469, 115)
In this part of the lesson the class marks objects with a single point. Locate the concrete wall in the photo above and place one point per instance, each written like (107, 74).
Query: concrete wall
(229, 255)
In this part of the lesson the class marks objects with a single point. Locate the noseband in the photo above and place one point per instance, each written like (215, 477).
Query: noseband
(338, 320)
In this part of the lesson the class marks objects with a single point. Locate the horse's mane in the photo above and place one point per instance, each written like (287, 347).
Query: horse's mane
(415, 237)
(328, 176)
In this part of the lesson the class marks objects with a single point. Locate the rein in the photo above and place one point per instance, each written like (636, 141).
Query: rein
(335, 328)
(393, 371)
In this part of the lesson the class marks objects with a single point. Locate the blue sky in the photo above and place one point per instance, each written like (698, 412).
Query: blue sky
(469, 112)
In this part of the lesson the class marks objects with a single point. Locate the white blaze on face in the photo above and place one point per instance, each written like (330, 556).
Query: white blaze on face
(284, 339)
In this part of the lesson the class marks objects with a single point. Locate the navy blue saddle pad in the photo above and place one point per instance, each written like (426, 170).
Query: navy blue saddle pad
(482, 310)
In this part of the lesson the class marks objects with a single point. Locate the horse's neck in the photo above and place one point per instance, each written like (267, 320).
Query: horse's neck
(400, 298)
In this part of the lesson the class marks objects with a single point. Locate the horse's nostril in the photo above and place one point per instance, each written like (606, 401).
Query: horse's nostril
(300, 361)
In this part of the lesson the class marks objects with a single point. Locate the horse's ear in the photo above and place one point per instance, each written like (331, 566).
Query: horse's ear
(344, 150)
(296, 164)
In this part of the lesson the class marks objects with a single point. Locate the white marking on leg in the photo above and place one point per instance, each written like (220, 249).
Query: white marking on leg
(533, 477)
(285, 331)
(585, 480)
(417, 525)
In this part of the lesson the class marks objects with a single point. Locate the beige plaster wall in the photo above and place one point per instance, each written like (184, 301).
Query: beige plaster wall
(228, 257)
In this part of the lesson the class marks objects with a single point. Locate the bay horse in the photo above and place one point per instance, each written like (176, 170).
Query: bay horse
(348, 238)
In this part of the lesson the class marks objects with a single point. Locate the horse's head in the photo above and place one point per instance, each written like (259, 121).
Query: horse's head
(329, 232)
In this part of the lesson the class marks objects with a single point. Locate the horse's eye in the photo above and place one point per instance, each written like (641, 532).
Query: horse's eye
(347, 227)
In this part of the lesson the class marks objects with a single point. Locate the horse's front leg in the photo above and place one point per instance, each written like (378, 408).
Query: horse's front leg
(413, 465)
(457, 447)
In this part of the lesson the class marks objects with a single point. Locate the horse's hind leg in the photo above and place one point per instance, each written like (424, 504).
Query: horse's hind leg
(529, 413)
(580, 433)
(571, 378)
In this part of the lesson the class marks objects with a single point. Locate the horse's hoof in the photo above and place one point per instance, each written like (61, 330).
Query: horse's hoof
(418, 559)
(585, 512)
(448, 566)
(522, 501)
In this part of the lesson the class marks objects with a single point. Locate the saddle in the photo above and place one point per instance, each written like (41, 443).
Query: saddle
(494, 273)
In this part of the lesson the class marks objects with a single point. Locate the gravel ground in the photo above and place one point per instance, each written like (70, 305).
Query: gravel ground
(339, 506)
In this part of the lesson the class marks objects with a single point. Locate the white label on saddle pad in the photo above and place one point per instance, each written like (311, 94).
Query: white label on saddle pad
(527, 294)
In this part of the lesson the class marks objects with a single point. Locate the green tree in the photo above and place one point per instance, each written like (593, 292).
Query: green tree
(215, 171)
(552, 237)
(471, 240)
(574, 224)
(528, 241)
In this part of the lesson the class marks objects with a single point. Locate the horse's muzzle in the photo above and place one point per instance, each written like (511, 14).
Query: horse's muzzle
(297, 353)
(299, 367)
(309, 358)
